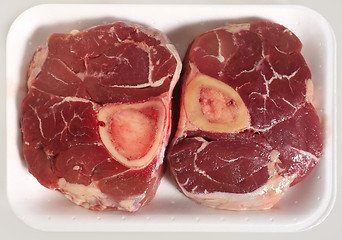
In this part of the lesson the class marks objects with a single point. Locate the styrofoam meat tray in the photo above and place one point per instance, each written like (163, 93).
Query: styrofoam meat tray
(303, 206)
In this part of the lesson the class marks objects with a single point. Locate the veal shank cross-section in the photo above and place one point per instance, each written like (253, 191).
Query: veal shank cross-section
(96, 119)
(247, 129)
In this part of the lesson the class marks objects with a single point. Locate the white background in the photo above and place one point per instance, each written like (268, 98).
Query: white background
(13, 228)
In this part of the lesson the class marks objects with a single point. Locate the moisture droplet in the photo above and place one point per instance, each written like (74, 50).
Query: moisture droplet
(198, 219)
(123, 218)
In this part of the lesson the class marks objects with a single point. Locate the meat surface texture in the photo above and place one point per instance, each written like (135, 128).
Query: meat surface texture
(247, 129)
(96, 119)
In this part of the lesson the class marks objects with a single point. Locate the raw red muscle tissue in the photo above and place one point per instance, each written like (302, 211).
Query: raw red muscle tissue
(247, 129)
(97, 116)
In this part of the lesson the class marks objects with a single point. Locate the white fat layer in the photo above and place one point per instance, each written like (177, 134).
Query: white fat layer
(235, 28)
(131, 205)
(74, 32)
(264, 197)
(72, 99)
(75, 99)
(309, 91)
(86, 196)
(307, 154)
(178, 69)
(203, 145)
(91, 196)
(219, 55)
(36, 65)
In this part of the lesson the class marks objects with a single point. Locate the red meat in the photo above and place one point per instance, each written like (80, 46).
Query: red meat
(96, 119)
(247, 129)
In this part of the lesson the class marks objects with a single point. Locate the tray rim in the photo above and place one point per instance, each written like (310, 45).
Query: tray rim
(332, 199)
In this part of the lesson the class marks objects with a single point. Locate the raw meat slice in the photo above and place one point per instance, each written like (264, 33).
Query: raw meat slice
(96, 119)
(247, 129)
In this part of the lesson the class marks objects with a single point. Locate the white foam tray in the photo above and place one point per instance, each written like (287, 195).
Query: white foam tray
(302, 207)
